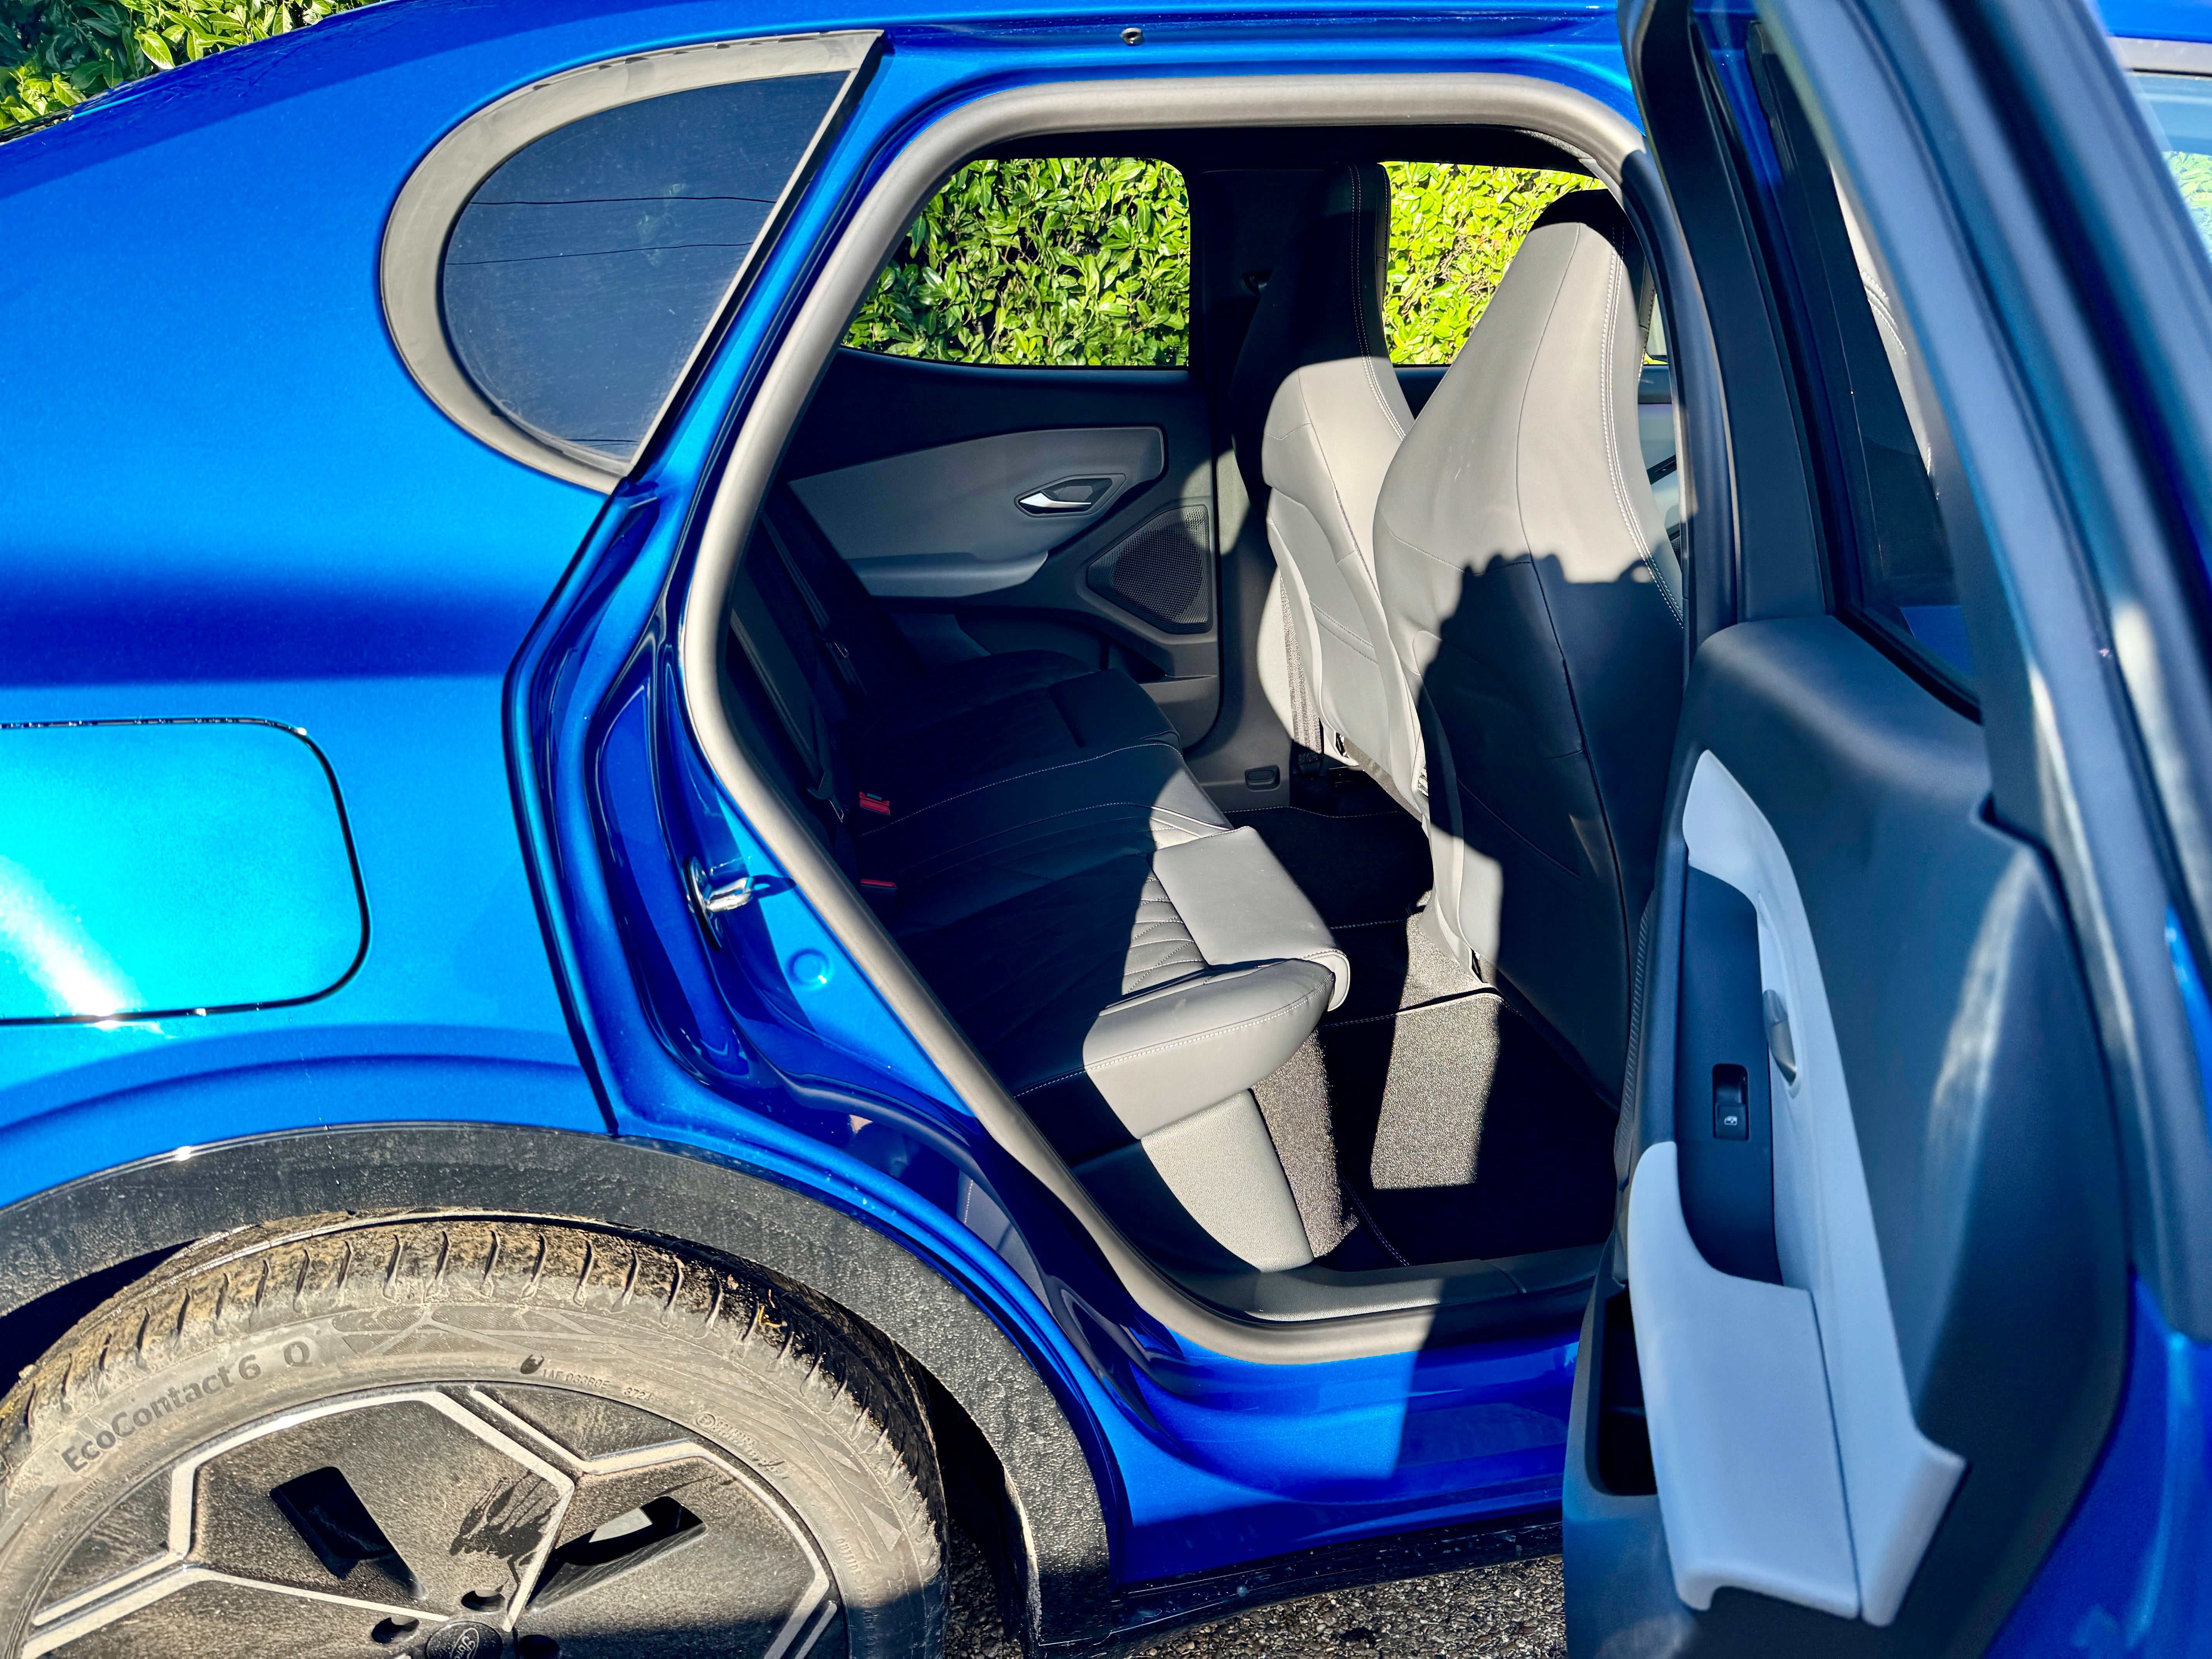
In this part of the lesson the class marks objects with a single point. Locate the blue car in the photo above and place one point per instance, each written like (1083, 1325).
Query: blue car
(682, 903)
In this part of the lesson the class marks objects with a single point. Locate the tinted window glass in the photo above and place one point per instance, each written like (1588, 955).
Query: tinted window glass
(1454, 228)
(2181, 109)
(1890, 461)
(1079, 263)
(582, 274)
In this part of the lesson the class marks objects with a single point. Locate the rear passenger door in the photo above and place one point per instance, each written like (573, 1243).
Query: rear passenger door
(1013, 451)
(1914, 983)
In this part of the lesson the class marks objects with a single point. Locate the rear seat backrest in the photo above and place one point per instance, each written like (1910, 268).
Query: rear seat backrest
(1317, 414)
(1530, 581)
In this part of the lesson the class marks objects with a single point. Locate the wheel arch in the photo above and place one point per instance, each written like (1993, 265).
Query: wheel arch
(103, 1230)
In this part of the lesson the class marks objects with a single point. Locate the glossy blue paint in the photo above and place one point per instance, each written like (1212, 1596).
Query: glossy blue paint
(1208, 1462)
(304, 540)
(170, 865)
(2131, 1575)
(2157, 20)
(259, 517)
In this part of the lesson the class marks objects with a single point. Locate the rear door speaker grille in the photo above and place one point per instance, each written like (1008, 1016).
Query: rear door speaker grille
(1160, 570)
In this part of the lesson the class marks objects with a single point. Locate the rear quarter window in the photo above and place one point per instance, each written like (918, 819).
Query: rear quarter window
(554, 264)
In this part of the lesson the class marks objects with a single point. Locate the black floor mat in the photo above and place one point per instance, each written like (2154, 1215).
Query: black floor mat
(1459, 1133)
(1359, 856)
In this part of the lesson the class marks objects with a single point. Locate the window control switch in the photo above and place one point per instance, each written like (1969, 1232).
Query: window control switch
(1731, 1103)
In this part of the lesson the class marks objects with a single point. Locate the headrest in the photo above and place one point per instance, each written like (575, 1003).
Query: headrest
(1324, 301)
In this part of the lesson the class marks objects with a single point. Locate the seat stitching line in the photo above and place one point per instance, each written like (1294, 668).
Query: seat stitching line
(950, 856)
(1344, 634)
(1160, 742)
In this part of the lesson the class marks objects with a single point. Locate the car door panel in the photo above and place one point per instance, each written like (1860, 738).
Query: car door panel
(957, 520)
(897, 454)
(1945, 1191)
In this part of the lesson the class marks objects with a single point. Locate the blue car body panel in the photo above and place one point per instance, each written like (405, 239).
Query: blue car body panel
(240, 507)
(2130, 1576)
(302, 538)
(177, 866)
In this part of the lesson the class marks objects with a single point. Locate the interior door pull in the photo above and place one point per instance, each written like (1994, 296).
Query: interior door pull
(1068, 495)
(1779, 1043)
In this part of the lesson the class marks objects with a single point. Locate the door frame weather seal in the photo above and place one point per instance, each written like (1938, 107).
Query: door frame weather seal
(1596, 134)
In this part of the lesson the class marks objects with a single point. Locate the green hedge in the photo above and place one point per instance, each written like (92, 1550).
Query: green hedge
(54, 53)
(1453, 231)
(2193, 173)
(1071, 262)
(1063, 262)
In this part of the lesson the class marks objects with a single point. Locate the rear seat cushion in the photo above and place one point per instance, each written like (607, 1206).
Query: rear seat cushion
(950, 727)
(1105, 1005)
(1146, 785)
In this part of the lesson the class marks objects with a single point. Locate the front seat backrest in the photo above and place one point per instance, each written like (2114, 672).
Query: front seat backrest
(1317, 414)
(1533, 596)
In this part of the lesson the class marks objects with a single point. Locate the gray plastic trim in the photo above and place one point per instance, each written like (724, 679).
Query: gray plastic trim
(409, 263)
(2165, 56)
(1742, 1441)
(1713, 1492)
(1573, 119)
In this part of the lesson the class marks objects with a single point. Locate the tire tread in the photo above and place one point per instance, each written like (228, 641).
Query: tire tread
(856, 1382)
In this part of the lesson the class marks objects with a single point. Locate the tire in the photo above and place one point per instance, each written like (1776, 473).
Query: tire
(462, 1438)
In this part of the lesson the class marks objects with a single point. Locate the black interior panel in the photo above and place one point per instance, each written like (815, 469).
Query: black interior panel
(1723, 1117)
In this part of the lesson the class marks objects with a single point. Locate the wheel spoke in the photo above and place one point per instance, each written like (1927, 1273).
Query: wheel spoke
(401, 1522)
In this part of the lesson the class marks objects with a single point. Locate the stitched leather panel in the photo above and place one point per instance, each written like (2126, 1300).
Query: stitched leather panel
(1161, 948)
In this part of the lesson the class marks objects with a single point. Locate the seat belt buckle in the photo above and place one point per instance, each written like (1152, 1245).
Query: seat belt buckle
(879, 804)
(882, 896)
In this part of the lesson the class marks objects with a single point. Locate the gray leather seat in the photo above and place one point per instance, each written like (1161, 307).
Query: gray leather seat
(1316, 415)
(1531, 589)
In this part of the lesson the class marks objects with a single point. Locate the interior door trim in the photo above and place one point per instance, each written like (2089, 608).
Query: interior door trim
(1896, 1481)
(1735, 1396)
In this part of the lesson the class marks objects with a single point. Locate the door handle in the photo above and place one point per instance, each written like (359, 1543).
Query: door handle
(1068, 495)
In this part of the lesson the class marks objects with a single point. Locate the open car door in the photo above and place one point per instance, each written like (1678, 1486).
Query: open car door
(1912, 1102)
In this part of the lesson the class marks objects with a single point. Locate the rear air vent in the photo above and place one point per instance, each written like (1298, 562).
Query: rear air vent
(1160, 570)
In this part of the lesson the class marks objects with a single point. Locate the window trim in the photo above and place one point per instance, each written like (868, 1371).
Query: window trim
(412, 260)
(1806, 309)
(2152, 57)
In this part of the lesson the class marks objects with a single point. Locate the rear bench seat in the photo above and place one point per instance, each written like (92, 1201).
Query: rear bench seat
(1128, 963)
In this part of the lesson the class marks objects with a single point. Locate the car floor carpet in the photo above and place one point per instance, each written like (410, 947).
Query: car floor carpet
(1359, 856)
(1459, 1133)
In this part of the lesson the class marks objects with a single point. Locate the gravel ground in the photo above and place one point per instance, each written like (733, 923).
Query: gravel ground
(1515, 1608)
